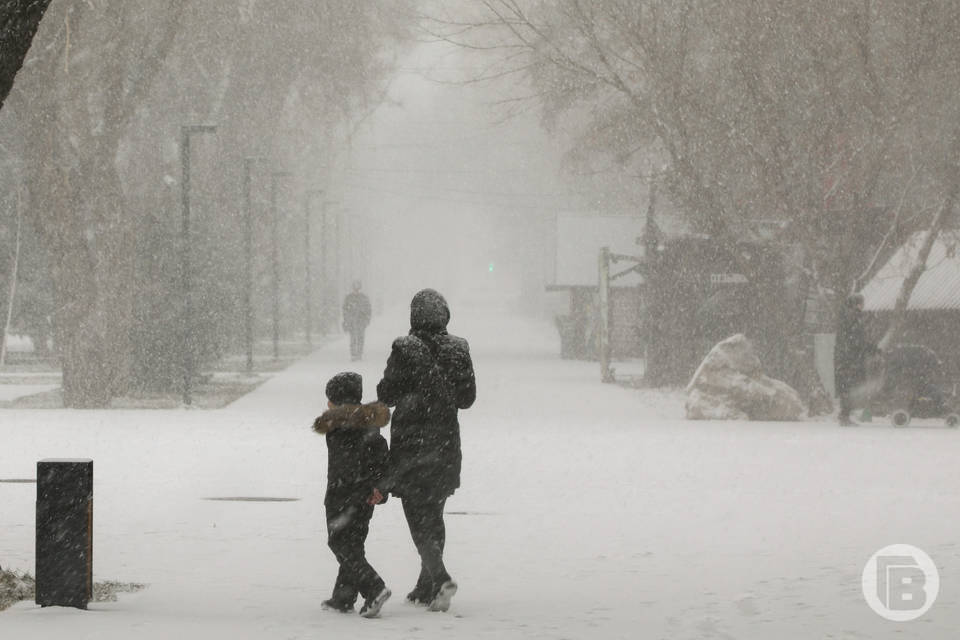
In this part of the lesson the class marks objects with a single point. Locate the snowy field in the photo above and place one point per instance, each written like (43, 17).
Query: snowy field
(586, 511)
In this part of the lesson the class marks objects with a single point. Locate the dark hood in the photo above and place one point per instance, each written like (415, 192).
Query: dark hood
(345, 388)
(429, 312)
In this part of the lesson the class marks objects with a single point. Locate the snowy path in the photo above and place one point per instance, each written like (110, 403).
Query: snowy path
(587, 511)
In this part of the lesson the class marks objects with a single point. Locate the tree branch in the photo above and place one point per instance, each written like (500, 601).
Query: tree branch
(920, 261)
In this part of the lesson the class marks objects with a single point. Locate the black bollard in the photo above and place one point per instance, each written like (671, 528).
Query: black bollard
(64, 533)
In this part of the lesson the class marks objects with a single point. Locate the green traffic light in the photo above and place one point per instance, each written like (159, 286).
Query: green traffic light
(490, 268)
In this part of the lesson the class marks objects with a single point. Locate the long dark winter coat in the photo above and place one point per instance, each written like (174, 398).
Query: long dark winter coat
(429, 377)
(851, 349)
(357, 455)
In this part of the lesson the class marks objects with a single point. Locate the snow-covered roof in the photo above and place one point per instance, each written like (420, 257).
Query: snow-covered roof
(938, 287)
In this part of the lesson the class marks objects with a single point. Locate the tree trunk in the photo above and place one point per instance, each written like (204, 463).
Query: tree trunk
(919, 265)
(11, 298)
(19, 20)
(93, 285)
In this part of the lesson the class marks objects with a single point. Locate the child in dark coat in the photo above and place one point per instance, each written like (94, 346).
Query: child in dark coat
(357, 459)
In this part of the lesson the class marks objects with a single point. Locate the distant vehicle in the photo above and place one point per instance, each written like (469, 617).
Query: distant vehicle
(915, 386)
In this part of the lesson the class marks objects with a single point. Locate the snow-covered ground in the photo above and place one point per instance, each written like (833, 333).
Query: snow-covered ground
(14, 391)
(587, 511)
(19, 343)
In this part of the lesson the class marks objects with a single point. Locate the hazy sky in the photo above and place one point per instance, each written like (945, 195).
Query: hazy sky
(441, 182)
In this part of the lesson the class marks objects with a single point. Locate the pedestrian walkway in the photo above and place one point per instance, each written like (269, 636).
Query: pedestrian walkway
(585, 511)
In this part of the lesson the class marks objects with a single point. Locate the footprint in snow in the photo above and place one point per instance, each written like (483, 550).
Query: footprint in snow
(747, 605)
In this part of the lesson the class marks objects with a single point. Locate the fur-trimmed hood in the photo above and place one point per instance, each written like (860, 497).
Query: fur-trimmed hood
(349, 416)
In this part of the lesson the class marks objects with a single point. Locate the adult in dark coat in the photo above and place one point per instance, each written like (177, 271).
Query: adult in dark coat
(356, 317)
(850, 354)
(429, 378)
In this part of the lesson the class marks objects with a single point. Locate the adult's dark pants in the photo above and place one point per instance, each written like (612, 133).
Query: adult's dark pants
(425, 519)
(845, 406)
(347, 529)
(845, 394)
(356, 343)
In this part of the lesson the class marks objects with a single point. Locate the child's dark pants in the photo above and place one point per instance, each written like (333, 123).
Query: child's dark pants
(347, 529)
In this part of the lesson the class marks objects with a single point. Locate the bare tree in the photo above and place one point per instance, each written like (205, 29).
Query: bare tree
(12, 295)
(813, 114)
(85, 88)
(19, 20)
(101, 106)
(937, 224)
(803, 112)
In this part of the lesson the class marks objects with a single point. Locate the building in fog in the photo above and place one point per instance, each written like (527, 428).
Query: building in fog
(700, 291)
(579, 240)
(672, 297)
(933, 311)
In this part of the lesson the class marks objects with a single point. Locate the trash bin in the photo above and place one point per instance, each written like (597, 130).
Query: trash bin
(64, 535)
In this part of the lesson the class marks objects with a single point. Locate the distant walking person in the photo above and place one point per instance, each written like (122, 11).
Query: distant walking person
(429, 377)
(850, 355)
(356, 317)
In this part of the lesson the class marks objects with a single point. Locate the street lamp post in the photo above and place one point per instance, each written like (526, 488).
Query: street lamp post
(325, 298)
(337, 269)
(185, 274)
(308, 281)
(248, 260)
(275, 258)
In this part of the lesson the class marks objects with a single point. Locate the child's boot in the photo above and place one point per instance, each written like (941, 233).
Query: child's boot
(371, 607)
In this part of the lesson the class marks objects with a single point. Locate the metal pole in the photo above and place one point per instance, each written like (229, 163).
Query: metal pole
(306, 263)
(337, 239)
(324, 285)
(308, 281)
(185, 273)
(325, 296)
(275, 267)
(275, 259)
(248, 263)
(187, 354)
(603, 308)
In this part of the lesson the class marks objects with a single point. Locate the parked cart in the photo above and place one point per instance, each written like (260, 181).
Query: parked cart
(915, 386)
